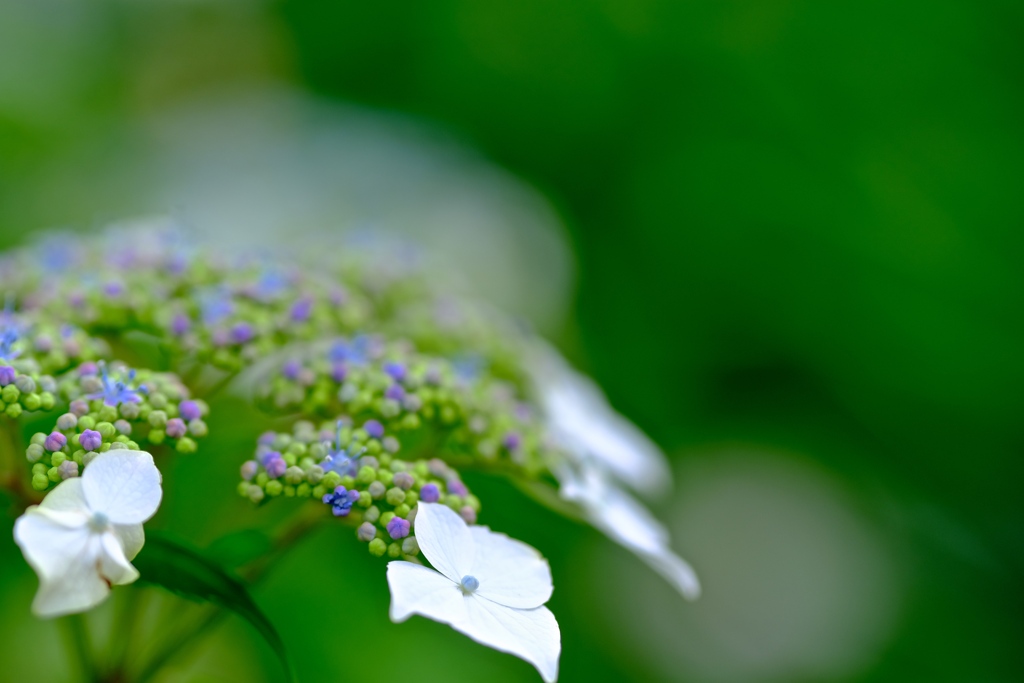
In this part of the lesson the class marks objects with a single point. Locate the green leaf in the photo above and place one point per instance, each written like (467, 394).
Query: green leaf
(183, 571)
(239, 548)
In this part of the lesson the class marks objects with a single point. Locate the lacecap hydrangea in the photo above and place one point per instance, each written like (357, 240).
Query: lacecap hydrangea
(376, 390)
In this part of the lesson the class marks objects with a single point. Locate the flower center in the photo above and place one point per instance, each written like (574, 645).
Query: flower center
(469, 584)
(99, 522)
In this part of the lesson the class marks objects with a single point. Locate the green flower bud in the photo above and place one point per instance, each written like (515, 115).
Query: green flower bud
(158, 419)
(67, 421)
(13, 411)
(473, 502)
(372, 514)
(47, 400)
(10, 394)
(243, 489)
(130, 411)
(386, 517)
(366, 475)
(31, 401)
(319, 490)
(289, 459)
(57, 458)
(315, 474)
(274, 487)
(38, 438)
(40, 468)
(373, 447)
(331, 479)
(86, 422)
(411, 498)
(385, 477)
(108, 413)
(410, 546)
(303, 490)
(34, 452)
(410, 421)
(106, 430)
(395, 496)
(289, 491)
(378, 547)
(294, 475)
(365, 499)
(157, 436)
(197, 428)
(54, 475)
(24, 384)
(158, 401)
(298, 449)
(377, 490)
(186, 445)
(40, 481)
(402, 510)
(255, 494)
(453, 501)
(394, 551)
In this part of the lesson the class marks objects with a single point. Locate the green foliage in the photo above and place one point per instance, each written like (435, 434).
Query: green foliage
(183, 571)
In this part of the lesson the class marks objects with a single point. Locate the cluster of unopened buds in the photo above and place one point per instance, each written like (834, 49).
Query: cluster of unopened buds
(381, 392)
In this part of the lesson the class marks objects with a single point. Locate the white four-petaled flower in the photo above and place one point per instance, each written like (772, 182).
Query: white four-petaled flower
(83, 536)
(486, 585)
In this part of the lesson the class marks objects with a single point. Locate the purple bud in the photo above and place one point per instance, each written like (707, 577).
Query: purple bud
(90, 440)
(176, 428)
(302, 309)
(79, 407)
(395, 370)
(266, 438)
(68, 469)
(291, 369)
(43, 344)
(7, 375)
(468, 514)
(511, 441)
(430, 493)
(55, 441)
(398, 528)
(123, 427)
(276, 468)
(404, 480)
(457, 487)
(242, 333)
(180, 324)
(266, 457)
(366, 532)
(395, 392)
(113, 289)
(189, 410)
(249, 469)
(374, 428)
(338, 372)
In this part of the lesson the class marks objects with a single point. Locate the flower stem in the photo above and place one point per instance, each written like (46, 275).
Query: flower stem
(76, 638)
(190, 636)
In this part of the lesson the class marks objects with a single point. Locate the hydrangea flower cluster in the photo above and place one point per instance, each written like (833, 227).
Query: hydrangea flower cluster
(388, 390)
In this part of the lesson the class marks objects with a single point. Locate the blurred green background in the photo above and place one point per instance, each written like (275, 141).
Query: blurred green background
(784, 236)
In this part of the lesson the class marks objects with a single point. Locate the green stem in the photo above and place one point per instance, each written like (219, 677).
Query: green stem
(189, 637)
(76, 635)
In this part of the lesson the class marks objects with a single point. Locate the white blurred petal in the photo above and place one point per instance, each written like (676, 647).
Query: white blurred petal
(51, 541)
(531, 634)
(113, 565)
(510, 572)
(123, 485)
(445, 540)
(67, 496)
(79, 587)
(416, 589)
(624, 520)
(131, 537)
(586, 424)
